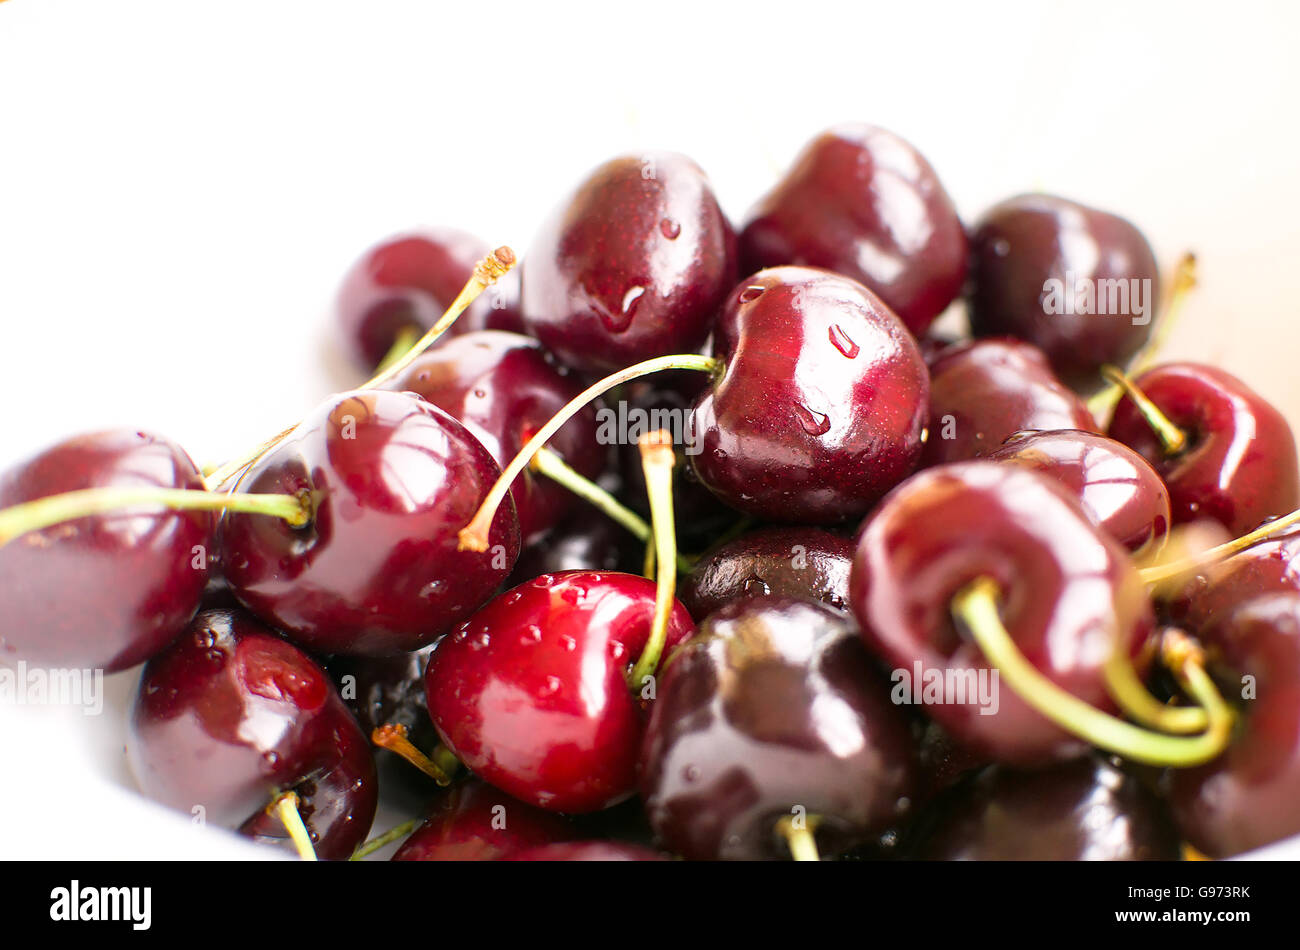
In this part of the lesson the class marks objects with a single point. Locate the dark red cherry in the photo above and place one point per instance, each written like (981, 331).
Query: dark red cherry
(822, 405)
(944, 761)
(1246, 798)
(1270, 567)
(377, 570)
(800, 563)
(230, 714)
(1080, 284)
(634, 264)
(587, 851)
(472, 821)
(1239, 465)
(503, 388)
(584, 542)
(108, 591)
(1085, 810)
(775, 706)
(403, 285)
(982, 393)
(864, 203)
(1117, 488)
(531, 693)
(1067, 591)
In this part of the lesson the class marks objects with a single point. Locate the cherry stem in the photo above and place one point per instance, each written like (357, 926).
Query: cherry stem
(976, 606)
(474, 536)
(801, 839)
(67, 506)
(388, 837)
(657, 461)
(1103, 402)
(285, 807)
(1164, 572)
(393, 737)
(1172, 439)
(405, 339)
(486, 273)
(1132, 696)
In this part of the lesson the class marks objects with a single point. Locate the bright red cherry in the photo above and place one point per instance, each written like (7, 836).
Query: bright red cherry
(633, 265)
(111, 590)
(864, 203)
(400, 287)
(377, 570)
(1080, 284)
(230, 714)
(531, 693)
(472, 821)
(1238, 466)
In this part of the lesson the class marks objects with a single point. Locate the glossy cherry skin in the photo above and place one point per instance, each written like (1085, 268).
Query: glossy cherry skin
(230, 715)
(1084, 810)
(587, 851)
(634, 264)
(1067, 591)
(984, 392)
(408, 281)
(1270, 567)
(503, 388)
(377, 571)
(773, 705)
(800, 563)
(1023, 245)
(531, 692)
(864, 203)
(472, 821)
(1247, 798)
(109, 591)
(822, 404)
(1117, 488)
(1239, 467)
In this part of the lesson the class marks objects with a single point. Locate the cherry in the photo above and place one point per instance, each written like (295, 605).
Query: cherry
(632, 265)
(229, 714)
(1078, 283)
(472, 821)
(1246, 798)
(1084, 810)
(1231, 456)
(400, 287)
(822, 404)
(377, 571)
(1270, 567)
(774, 707)
(944, 761)
(982, 393)
(502, 388)
(109, 590)
(1069, 594)
(1117, 488)
(801, 563)
(532, 693)
(587, 851)
(864, 203)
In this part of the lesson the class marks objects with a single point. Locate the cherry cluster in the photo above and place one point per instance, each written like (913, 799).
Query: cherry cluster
(857, 589)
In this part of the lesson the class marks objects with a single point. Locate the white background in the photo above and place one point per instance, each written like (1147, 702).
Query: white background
(183, 184)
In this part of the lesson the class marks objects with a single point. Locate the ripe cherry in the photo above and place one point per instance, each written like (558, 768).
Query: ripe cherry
(774, 711)
(532, 692)
(1078, 283)
(109, 590)
(231, 714)
(1270, 567)
(633, 265)
(472, 821)
(377, 571)
(1232, 457)
(400, 287)
(864, 203)
(982, 393)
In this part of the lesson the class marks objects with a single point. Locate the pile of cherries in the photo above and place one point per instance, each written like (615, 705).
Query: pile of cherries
(549, 637)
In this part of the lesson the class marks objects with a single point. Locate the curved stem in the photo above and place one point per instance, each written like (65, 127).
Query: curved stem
(474, 536)
(976, 606)
(55, 509)
(392, 736)
(657, 461)
(1172, 439)
(801, 840)
(402, 343)
(1131, 695)
(285, 807)
(1220, 552)
(387, 838)
(486, 273)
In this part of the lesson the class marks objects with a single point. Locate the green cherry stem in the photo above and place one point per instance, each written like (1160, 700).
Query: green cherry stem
(67, 506)
(474, 536)
(402, 343)
(1132, 696)
(1160, 573)
(1172, 439)
(285, 807)
(801, 839)
(657, 461)
(388, 837)
(976, 607)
